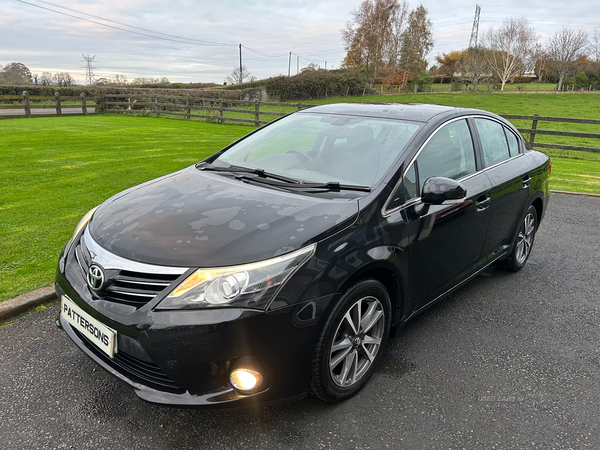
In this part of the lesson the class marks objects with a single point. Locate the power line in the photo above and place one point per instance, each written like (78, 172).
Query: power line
(180, 40)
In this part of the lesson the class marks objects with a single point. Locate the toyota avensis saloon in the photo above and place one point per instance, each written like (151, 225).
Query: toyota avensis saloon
(279, 265)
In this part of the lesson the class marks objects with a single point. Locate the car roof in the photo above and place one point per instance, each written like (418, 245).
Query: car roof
(420, 112)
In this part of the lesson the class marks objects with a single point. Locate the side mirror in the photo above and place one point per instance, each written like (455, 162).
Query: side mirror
(440, 191)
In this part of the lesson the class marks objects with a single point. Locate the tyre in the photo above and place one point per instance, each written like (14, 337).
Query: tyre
(351, 342)
(522, 248)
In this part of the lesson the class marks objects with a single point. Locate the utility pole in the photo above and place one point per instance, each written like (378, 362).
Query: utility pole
(297, 64)
(475, 29)
(89, 69)
(325, 65)
(290, 64)
(241, 71)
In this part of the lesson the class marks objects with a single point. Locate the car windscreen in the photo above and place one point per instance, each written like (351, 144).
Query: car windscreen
(323, 148)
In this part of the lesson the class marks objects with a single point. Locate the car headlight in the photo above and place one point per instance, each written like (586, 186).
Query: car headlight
(82, 223)
(249, 285)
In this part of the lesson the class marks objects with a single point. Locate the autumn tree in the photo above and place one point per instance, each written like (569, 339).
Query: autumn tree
(565, 47)
(373, 37)
(417, 40)
(449, 63)
(16, 74)
(510, 49)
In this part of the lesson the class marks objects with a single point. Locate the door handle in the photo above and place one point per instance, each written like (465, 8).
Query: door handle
(483, 202)
(526, 181)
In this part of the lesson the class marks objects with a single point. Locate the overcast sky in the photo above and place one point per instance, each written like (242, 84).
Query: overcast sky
(200, 39)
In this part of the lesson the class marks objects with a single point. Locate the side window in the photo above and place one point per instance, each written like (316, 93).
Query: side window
(513, 144)
(449, 153)
(493, 141)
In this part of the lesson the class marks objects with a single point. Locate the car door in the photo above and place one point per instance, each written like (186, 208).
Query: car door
(509, 171)
(445, 244)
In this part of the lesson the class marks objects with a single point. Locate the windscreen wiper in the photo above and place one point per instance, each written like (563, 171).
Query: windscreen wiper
(239, 169)
(313, 187)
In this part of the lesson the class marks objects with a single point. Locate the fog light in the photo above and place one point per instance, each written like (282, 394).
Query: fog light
(245, 379)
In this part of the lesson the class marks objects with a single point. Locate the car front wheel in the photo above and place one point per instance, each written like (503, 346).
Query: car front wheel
(352, 341)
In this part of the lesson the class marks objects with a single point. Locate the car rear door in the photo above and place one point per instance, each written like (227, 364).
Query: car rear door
(509, 171)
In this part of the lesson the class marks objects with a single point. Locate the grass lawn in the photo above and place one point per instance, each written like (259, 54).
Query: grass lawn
(55, 169)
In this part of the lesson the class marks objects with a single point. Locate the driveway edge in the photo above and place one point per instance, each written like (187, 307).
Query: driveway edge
(589, 194)
(23, 302)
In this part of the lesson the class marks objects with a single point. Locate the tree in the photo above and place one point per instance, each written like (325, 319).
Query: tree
(237, 77)
(473, 66)
(510, 50)
(46, 79)
(449, 63)
(16, 74)
(312, 67)
(417, 40)
(564, 48)
(63, 79)
(373, 38)
(595, 46)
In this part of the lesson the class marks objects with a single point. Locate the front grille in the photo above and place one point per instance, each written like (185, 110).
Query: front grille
(134, 288)
(146, 373)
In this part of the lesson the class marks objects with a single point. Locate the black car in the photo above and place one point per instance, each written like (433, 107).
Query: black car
(279, 265)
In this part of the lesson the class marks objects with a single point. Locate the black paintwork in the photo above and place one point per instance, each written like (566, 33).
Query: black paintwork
(196, 219)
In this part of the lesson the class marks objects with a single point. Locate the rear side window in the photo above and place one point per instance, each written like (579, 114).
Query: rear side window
(513, 144)
(493, 141)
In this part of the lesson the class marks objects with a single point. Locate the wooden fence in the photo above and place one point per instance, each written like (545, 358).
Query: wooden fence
(534, 130)
(27, 103)
(210, 109)
(224, 110)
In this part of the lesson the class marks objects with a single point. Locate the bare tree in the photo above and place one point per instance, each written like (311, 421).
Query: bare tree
(595, 46)
(237, 77)
(398, 23)
(565, 47)
(46, 79)
(509, 50)
(473, 66)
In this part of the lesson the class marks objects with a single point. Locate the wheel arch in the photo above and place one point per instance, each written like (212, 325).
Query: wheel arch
(386, 276)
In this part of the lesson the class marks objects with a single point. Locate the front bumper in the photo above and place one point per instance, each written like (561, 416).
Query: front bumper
(183, 358)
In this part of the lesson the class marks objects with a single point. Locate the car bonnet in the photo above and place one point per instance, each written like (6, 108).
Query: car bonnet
(200, 219)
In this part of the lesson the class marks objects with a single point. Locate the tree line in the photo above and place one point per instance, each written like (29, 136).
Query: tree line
(390, 43)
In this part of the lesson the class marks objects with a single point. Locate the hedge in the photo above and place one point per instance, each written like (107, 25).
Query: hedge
(318, 84)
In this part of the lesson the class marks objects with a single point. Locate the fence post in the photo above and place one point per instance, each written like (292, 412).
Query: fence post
(220, 111)
(57, 102)
(26, 104)
(256, 113)
(533, 127)
(83, 105)
(189, 110)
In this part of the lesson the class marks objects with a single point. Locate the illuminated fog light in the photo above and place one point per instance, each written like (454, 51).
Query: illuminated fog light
(245, 379)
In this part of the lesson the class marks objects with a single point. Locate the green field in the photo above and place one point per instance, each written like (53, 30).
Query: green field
(57, 168)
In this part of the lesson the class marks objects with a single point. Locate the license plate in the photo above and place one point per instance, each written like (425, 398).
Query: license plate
(103, 337)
